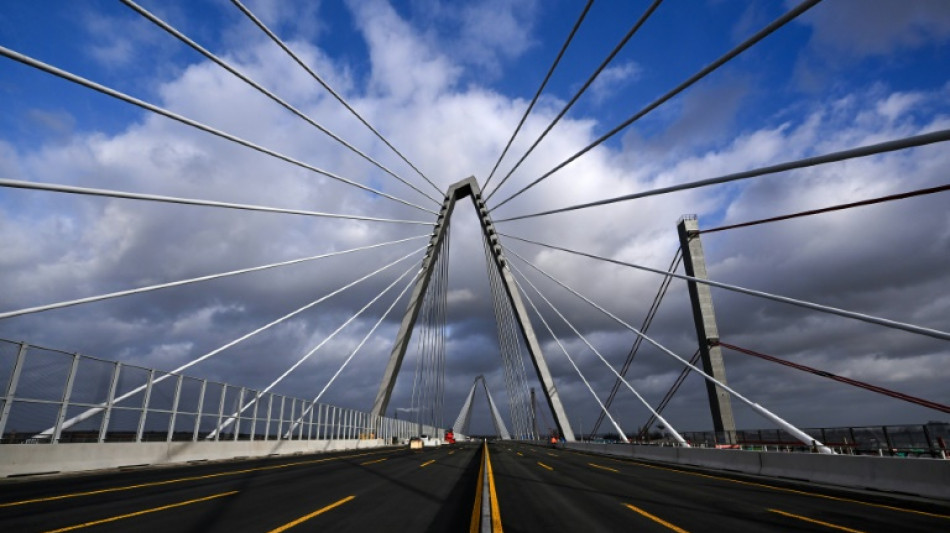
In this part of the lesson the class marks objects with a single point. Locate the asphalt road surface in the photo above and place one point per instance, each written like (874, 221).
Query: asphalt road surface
(544, 489)
(371, 490)
(397, 490)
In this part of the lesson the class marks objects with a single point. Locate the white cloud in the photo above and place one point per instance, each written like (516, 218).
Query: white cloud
(613, 79)
(889, 259)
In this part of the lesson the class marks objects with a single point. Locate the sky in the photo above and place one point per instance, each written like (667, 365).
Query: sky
(447, 84)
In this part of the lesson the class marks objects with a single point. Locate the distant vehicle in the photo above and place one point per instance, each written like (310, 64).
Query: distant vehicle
(424, 441)
(449, 437)
(430, 442)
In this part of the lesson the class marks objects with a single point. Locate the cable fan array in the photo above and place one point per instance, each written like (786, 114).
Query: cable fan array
(428, 384)
(509, 344)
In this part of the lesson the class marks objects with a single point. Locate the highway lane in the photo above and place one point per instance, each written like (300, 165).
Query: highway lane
(398, 490)
(540, 489)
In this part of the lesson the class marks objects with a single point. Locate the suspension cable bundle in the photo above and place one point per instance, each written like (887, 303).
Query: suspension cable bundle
(516, 381)
(428, 385)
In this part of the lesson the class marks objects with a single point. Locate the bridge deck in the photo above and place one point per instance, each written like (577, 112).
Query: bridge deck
(538, 489)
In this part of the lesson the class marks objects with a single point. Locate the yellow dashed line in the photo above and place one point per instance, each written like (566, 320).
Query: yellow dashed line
(656, 519)
(813, 521)
(183, 479)
(140, 513)
(318, 512)
(779, 489)
(545, 466)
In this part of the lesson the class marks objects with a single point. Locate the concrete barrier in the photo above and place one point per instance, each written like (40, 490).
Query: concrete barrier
(26, 459)
(921, 477)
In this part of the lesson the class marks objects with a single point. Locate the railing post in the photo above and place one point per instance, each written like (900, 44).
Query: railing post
(336, 425)
(224, 394)
(291, 419)
(145, 401)
(175, 402)
(270, 406)
(707, 332)
(110, 401)
(320, 420)
(930, 445)
(280, 419)
(257, 401)
(237, 419)
(199, 412)
(11, 387)
(64, 405)
(310, 422)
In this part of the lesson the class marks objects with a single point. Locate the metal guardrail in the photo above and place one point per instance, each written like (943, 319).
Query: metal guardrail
(44, 389)
(912, 440)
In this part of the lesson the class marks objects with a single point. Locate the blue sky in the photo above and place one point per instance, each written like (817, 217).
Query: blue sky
(447, 84)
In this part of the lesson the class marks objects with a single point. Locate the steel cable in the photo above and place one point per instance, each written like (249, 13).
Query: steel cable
(79, 80)
(326, 86)
(537, 95)
(745, 45)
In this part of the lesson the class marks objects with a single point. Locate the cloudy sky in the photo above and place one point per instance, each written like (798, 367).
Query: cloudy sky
(447, 83)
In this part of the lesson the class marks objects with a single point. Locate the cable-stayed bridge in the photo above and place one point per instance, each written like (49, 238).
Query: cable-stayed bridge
(65, 412)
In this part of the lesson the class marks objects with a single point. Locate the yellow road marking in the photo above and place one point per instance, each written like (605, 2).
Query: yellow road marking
(519, 453)
(374, 461)
(495, 511)
(190, 478)
(604, 467)
(813, 521)
(318, 512)
(139, 513)
(474, 526)
(451, 452)
(780, 489)
(656, 519)
(545, 466)
(552, 454)
(427, 463)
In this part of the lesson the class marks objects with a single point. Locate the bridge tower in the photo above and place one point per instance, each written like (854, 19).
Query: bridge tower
(469, 188)
(707, 332)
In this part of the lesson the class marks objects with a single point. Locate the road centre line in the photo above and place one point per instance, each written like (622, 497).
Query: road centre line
(604, 467)
(374, 461)
(427, 463)
(813, 521)
(477, 507)
(773, 487)
(656, 519)
(304, 518)
(190, 478)
(493, 496)
(140, 513)
(545, 466)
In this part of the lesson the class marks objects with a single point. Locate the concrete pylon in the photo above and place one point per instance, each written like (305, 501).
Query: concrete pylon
(707, 332)
(469, 188)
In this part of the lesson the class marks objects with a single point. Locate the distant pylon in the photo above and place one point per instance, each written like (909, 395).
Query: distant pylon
(465, 415)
